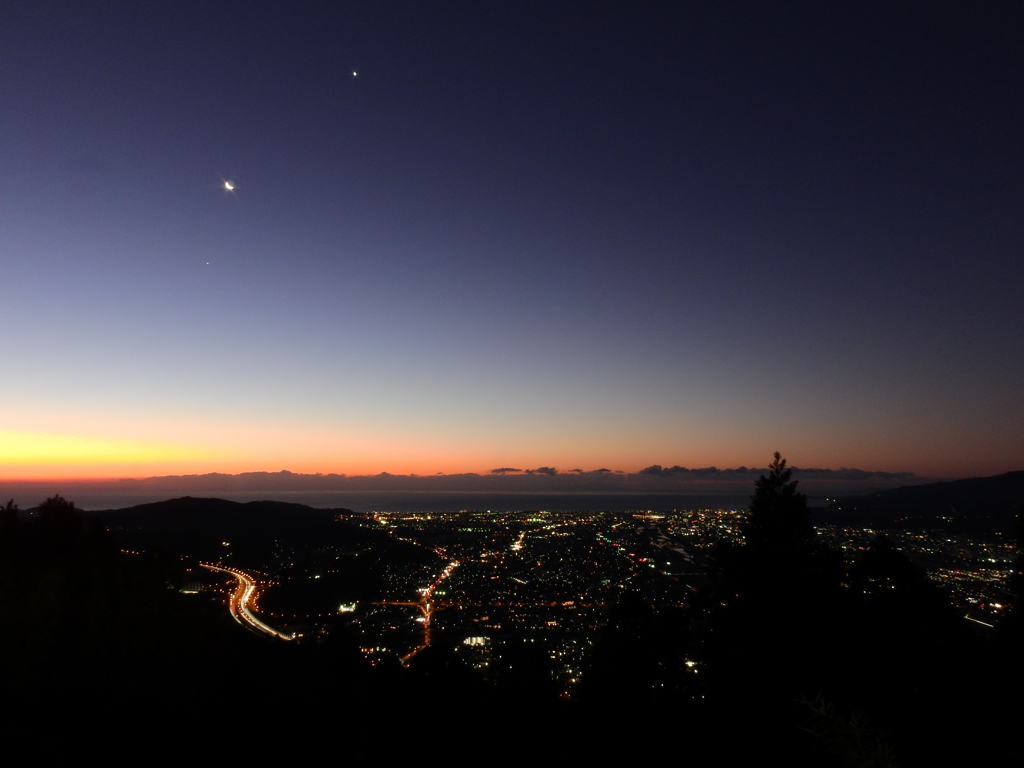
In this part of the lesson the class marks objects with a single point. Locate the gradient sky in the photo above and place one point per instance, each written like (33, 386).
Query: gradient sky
(564, 234)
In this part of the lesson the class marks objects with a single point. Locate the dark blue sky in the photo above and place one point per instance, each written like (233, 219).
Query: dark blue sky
(562, 234)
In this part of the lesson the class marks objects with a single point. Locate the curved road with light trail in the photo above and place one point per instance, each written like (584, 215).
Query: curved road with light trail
(242, 597)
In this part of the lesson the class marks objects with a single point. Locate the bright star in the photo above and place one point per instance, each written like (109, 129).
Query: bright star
(229, 186)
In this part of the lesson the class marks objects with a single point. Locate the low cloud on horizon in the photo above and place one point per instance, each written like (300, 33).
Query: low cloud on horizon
(843, 473)
(653, 479)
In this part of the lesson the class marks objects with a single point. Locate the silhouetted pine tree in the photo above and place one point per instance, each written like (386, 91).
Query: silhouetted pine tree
(778, 516)
(777, 610)
(8, 515)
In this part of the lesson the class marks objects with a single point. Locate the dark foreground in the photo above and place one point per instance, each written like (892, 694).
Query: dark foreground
(802, 659)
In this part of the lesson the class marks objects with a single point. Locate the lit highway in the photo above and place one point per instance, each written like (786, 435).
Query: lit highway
(425, 607)
(243, 598)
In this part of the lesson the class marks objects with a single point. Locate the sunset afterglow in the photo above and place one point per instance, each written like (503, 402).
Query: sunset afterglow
(460, 259)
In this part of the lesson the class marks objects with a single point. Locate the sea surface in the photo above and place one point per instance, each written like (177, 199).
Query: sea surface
(97, 498)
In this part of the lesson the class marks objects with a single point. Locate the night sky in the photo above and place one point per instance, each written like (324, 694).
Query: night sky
(561, 234)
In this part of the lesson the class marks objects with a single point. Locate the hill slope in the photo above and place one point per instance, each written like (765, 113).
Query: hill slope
(199, 527)
(977, 504)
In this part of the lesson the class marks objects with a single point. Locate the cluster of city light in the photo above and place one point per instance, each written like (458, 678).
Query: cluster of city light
(498, 564)
(975, 570)
(552, 577)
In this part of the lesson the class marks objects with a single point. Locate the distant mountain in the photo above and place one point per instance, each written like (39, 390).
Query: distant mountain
(207, 528)
(977, 504)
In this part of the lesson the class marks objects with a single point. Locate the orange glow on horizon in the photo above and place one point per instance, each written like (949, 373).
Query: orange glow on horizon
(31, 455)
(90, 456)
(34, 455)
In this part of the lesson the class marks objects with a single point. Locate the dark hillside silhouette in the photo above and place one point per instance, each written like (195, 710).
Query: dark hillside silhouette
(869, 660)
(786, 649)
(200, 526)
(85, 625)
(1009, 633)
(100, 641)
(353, 558)
(977, 504)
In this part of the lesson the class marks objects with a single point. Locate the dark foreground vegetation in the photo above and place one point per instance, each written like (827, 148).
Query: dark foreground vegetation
(802, 658)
